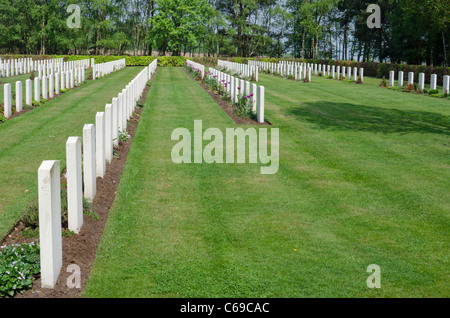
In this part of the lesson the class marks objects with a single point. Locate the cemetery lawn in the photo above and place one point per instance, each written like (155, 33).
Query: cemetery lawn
(41, 134)
(363, 179)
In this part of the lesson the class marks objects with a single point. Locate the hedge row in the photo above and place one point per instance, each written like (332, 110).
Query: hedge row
(130, 60)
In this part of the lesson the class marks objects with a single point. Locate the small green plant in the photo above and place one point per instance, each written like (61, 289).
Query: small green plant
(30, 218)
(359, 80)
(410, 88)
(124, 136)
(88, 209)
(307, 79)
(67, 233)
(35, 103)
(19, 264)
(243, 106)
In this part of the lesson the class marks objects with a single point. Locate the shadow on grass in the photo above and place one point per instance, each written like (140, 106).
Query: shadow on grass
(344, 116)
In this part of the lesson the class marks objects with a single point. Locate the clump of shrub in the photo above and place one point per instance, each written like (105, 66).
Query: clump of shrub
(30, 217)
(359, 80)
(177, 61)
(19, 265)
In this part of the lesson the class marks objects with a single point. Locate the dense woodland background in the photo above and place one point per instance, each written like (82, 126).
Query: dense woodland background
(412, 31)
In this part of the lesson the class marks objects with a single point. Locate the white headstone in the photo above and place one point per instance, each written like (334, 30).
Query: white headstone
(19, 98)
(400, 79)
(260, 106)
(44, 87)
(421, 81)
(253, 93)
(89, 170)
(433, 81)
(50, 237)
(115, 121)
(7, 100)
(446, 85)
(74, 183)
(100, 158)
(108, 132)
(28, 93)
(37, 89)
(411, 78)
(51, 86)
(391, 78)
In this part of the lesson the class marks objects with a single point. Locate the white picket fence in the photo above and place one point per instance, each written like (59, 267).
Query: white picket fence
(83, 168)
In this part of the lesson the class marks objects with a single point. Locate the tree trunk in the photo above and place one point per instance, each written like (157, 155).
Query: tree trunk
(445, 49)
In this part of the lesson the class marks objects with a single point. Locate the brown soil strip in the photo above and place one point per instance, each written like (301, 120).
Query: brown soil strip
(227, 107)
(80, 248)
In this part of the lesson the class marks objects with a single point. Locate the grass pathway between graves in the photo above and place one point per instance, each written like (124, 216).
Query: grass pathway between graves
(41, 134)
(363, 179)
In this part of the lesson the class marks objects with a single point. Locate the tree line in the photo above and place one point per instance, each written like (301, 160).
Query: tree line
(412, 31)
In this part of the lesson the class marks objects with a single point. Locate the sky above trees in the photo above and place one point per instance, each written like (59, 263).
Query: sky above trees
(412, 31)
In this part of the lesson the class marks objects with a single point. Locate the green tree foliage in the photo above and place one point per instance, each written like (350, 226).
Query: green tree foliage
(412, 31)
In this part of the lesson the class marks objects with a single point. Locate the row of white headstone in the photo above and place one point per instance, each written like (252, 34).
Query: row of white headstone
(421, 83)
(102, 69)
(46, 87)
(51, 67)
(44, 67)
(237, 87)
(84, 163)
(197, 66)
(246, 70)
(12, 67)
(299, 70)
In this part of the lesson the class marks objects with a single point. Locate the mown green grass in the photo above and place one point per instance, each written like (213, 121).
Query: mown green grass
(41, 134)
(363, 179)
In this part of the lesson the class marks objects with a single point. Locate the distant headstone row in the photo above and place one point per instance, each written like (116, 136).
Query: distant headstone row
(85, 162)
(300, 70)
(102, 69)
(44, 67)
(246, 70)
(421, 83)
